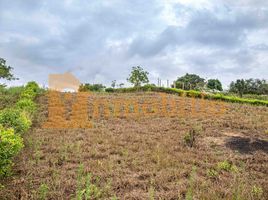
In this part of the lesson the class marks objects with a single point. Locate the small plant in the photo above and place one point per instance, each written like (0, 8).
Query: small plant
(190, 138)
(227, 166)
(42, 191)
(212, 173)
(257, 192)
(85, 188)
(189, 193)
(224, 165)
(151, 192)
(114, 198)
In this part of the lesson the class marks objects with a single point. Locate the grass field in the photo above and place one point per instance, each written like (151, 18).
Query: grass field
(205, 156)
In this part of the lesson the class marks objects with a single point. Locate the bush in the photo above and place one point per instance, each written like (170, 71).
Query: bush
(30, 91)
(10, 146)
(14, 118)
(26, 105)
(33, 86)
(28, 94)
(109, 90)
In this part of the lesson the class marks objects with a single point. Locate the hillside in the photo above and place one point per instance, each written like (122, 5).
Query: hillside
(172, 154)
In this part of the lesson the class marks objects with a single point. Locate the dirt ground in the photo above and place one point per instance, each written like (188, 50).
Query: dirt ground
(147, 157)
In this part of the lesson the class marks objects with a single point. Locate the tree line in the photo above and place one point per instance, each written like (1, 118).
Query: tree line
(139, 77)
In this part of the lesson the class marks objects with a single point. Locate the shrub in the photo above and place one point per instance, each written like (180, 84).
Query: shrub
(33, 86)
(109, 90)
(28, 94)
(14, 118)
(193, 93)
(30, 91)
(10, 146)
(26, 105)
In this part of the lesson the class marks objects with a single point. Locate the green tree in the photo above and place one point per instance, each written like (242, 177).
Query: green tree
(214, 84)
(5, 70)
(113, 83)
(239, 87)
(249, 86)
(190, 82)
(138, 76)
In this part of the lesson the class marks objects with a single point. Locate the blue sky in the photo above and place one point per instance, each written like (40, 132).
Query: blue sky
(100, 40)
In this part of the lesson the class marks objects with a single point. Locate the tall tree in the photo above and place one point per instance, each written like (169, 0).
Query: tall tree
(238, 87)
(249, 86)
(214, 84)
(190, 82)
(113, 83)
(138, 76)
(5, 70)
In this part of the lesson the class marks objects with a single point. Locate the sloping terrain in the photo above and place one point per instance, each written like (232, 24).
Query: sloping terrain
(204, 156)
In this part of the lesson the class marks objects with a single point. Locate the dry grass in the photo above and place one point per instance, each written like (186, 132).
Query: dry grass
(146, 158)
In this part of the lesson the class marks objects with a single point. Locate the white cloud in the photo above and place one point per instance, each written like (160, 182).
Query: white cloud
(100, 41)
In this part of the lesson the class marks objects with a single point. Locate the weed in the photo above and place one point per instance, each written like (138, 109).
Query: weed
(85, 188)
(42, 191)
(189, 193)
(224, 165)
(212, 173)
(257, 192)
(114, 198)
(190, 138)
(151, 191)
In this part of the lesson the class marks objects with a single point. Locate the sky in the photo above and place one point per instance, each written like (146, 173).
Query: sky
(101, 40)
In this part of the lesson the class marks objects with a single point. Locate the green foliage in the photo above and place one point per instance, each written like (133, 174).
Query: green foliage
(33, 86)
(239, 87)
(28, 93)
(109, 90)
(14, 118)
(138, 76)
(214, 84)
(93, 88)
(10, 146)
(249, 86)
(26, 105)
(190, 82)
(17, 120)
(5, 71)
